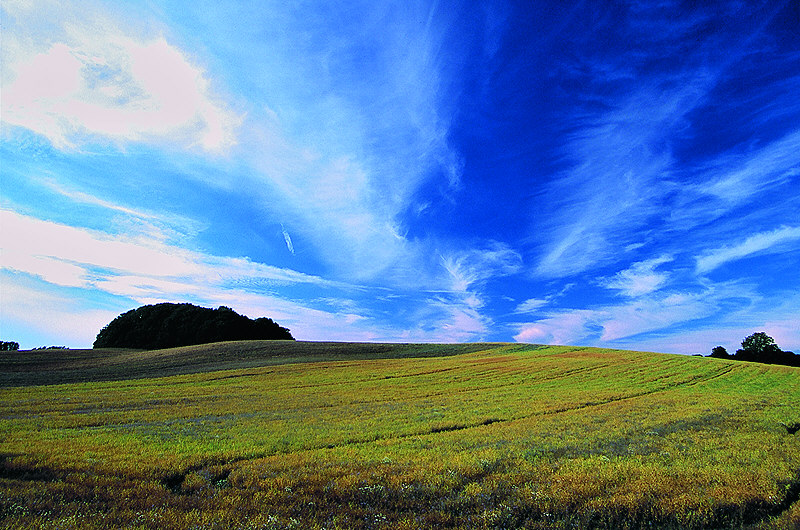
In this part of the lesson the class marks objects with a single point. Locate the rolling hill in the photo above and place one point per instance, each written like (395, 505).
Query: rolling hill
(332, 435)
(46, 366)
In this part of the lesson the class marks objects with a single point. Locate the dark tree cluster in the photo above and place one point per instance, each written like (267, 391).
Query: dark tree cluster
(759, 348)
(168, 325)
(9, 345)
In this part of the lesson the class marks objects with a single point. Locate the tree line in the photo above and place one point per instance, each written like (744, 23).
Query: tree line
(760, 348)
(168, 325)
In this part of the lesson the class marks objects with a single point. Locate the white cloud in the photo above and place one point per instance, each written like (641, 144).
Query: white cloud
(341, 129)
(54, 318)
(739, 180)
(463, 324)
(305, 323)
(162, 226)
(48, 315)
(29, 242)
(459, 318)
(473, 266)
(613, 324)
(124, 265)
(763, 242)
(148, 271)
(640, 278)
(532, 305)
(448, 318)
(776, 315)
(645, 315)
(56, 271)
(677, 322)
(567, 327)
(98, 82)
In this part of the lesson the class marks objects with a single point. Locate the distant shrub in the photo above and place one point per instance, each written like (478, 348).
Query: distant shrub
(9, 346)
(51, 348)
(170, 325)
(719, 352)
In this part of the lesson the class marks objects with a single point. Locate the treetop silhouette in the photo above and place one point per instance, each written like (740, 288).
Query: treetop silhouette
(170, 325)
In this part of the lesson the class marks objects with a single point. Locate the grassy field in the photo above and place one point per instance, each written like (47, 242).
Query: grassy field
(314, 435)
(39, 367)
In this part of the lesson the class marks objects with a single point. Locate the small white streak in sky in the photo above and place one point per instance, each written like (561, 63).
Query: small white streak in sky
(288, 240)
(79, 196)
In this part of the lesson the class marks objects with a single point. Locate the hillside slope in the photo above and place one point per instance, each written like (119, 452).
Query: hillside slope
(506, 436)
(42, 367)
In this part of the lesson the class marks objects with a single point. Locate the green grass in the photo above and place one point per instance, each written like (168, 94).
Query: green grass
(314, 435)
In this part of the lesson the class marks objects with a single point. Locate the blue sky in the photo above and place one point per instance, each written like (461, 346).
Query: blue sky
(620, 174)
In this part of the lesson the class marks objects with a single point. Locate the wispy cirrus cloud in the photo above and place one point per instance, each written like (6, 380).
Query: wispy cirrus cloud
(531, 305)
(471, 267)
(568, 327)
(287, 239)
(373, 130)
(467, 273)
(640, 278)
(656, 313)
(761, 243)
(639, 123)
(633, 321)
(335, 143)
(616, 182)
(55, 313)
(735, 180)
(114, 217)
(743, 312)
(412, 159)
(725, 183)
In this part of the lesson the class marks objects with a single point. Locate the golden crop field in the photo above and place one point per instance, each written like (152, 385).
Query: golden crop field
(315, 435)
